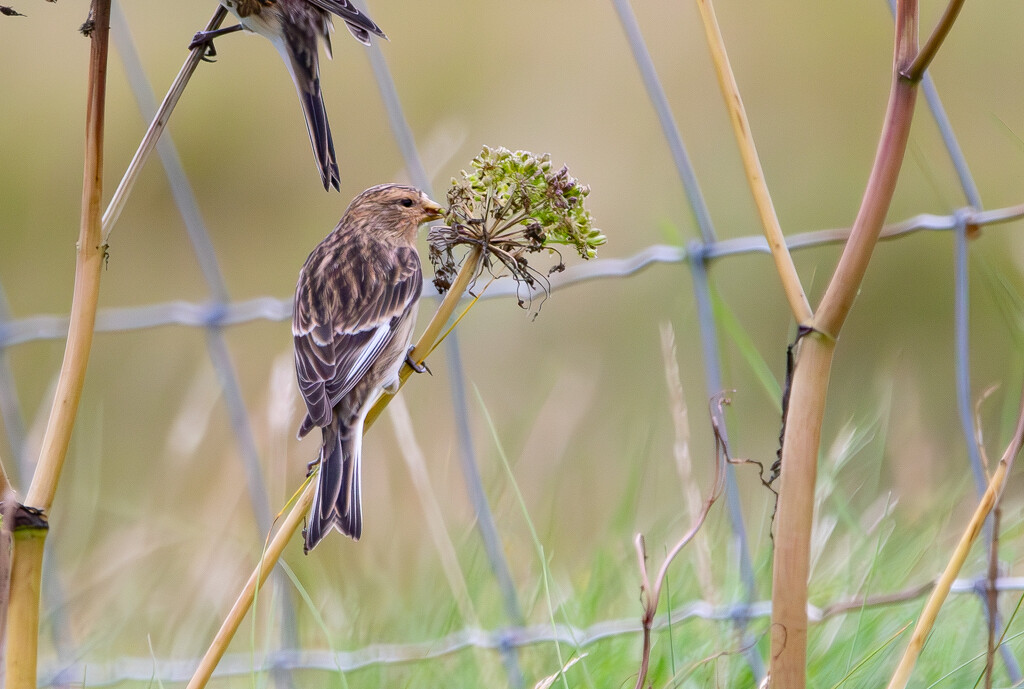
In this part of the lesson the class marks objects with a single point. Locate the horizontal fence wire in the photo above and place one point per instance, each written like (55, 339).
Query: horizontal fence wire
(148, 669)
(215, 314)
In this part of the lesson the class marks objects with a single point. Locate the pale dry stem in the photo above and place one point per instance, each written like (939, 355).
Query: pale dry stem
(802, 436)
(794, 291)
(684, 461)
(155, 130)
(931, 609)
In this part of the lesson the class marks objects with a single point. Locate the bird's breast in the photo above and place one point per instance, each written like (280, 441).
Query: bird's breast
(258, 16)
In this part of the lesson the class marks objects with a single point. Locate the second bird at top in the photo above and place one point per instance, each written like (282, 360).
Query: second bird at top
(296, 27)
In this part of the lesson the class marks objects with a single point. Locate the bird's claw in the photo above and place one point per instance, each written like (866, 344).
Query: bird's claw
(419, 367)
(311, 467)
(204, 39)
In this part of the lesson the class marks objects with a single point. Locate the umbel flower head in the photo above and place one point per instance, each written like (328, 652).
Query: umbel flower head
(512, 205)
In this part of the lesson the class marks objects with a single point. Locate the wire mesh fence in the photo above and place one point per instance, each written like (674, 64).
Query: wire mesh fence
(216, 315)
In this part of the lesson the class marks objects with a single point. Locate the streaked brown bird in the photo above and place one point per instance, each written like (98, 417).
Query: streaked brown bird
(355, 307)
(295, 28)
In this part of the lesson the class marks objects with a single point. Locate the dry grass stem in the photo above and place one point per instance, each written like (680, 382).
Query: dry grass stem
(752, 165)
(684, 461)
(931, 609)
(271, 554)
(293, 521)
(550, 680)
(650, 592)
(156, 129)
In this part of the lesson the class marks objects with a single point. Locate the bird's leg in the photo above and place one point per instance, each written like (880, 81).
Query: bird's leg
(205, 38)
(311, 467)
(415, 365)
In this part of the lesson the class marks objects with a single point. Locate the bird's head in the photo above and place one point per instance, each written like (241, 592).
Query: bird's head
(392, 211)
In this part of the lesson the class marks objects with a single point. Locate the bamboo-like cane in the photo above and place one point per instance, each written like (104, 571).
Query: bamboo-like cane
(26, 566)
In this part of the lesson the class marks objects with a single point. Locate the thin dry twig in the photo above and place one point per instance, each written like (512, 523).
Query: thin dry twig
(991, 592)
(931, 47)
(651, 593)
(156, 129)
(931, 609)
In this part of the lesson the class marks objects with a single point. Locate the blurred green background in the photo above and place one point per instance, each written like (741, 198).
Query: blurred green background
(152, 530)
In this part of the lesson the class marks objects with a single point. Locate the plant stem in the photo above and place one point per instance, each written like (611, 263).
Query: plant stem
(796, 512)
(271, 554)
(467, 273)
(294, 519)
(156, 129)
(938, 596)
(802, 437)
(924, 58)
(752, 165)
(23, 610)
(23, 618)
(26, 567)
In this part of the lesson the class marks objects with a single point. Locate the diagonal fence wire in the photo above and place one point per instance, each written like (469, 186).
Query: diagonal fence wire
(467, 455)
(216, 344)
(702, 293)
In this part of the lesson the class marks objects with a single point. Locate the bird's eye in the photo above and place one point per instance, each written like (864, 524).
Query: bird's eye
(406, 202)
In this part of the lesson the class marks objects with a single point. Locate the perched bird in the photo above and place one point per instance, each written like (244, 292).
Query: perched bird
(296, 27)
(354, 311)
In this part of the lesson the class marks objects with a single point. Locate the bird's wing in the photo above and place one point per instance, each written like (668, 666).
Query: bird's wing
(341, 326)
(358, 23)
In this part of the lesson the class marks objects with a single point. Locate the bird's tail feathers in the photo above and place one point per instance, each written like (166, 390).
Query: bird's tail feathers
(304, 67)
(337, 502)
(359, 25)
(320, 134)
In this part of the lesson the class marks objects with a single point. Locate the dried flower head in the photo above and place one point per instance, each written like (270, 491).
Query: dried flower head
(511, 204)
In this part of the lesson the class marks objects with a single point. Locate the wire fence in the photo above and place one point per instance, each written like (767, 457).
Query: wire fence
(127, 669)
(220, 312)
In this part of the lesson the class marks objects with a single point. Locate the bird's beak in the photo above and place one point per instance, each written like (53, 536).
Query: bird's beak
(434, 210)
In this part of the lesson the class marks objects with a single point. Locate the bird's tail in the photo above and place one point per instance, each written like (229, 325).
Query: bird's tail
(303, 64)
(337, 502)
(320, 133)
(358, 24)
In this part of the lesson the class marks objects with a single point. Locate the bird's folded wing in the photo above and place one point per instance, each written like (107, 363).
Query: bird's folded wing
(334, 348)
(358, 23)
